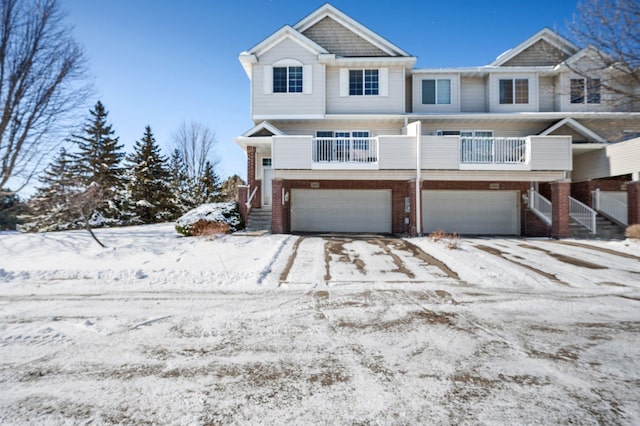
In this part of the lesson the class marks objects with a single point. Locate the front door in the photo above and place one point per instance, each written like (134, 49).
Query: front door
(267, 176)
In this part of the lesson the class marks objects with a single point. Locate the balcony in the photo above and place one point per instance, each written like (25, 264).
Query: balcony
(345, 150)
(398, 152)
(493, 151)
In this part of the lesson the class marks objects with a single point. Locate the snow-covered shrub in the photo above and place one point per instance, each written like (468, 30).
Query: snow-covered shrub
(633, 231)
(212, 218)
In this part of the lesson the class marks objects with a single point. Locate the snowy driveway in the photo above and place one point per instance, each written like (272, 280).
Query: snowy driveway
(309, 330)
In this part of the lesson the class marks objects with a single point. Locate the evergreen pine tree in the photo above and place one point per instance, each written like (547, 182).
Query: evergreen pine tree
(148, 181)
(98, 162)
(208, 186)
(50, 206)
(179, 185)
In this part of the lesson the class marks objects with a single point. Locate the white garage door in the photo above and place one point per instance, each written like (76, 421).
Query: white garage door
(471, 212)
(328, 210)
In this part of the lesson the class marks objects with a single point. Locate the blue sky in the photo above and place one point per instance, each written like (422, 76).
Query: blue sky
(160, 62)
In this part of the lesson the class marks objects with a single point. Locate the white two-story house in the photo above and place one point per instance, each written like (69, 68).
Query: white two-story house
(350, 137)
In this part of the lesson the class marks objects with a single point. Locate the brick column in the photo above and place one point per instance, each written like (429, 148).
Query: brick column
(560, 192)
(277, 209)
(251, 166)
(411, 189)
(243, 196)
(633, 202)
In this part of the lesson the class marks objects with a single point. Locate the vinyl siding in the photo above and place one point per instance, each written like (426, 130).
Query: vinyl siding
(375, 127)
(291, 152)
(396, 152)
(551, 153)
(590, 165)
(439, 152)
(501, 129)
(472, 95)
(394, 103)
(291, 104)
(624, 157)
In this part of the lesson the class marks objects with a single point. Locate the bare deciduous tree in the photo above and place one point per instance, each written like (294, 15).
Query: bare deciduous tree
(612, 27)
(196, 144)
(42, 70)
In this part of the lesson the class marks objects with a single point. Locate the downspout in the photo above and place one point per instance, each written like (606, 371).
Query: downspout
(418, 135)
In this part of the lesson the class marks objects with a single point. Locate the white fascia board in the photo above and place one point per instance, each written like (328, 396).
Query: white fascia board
(244, 142)
(486, 70)
(545, 34)
(282, 34)
(525, 116)
(580, 128)
(330, 11)
(247, 60)
(289, 117)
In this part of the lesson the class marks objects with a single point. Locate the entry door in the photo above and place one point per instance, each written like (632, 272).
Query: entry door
(267, 177)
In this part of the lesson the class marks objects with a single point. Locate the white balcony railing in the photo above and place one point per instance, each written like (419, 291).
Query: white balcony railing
(611, 207)
(582, 214)
(475, 150)
(345, 150)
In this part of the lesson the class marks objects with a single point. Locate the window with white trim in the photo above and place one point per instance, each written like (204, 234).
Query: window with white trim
(436, 91)
(514, 91)
(364, 82)
(287, 79)
(585, 90)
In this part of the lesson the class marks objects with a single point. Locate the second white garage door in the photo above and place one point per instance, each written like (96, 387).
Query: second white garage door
(471, 212)
(329, 210)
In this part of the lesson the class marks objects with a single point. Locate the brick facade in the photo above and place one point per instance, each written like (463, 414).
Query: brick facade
(253, 183)
(560, 192)
(243, 196)
(582, 191)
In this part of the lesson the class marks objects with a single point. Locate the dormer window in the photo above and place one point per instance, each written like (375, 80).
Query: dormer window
(514, 91)
(585, 90)
(287, 79)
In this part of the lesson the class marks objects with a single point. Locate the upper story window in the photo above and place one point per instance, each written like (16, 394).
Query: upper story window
(363, 82)
(287, 79)
(514, 91)
(436, 91)
(585, 90)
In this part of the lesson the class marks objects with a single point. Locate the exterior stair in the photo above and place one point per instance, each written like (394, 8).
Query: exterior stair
(259, 219)
(605, 230)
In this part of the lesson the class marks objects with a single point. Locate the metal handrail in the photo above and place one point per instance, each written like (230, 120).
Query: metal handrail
(345, 150)
(479, 150)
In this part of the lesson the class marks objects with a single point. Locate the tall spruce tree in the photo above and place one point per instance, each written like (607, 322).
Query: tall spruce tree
(208, 186)
(179, 185)
(98, 163)
(148, 181)
(50, 207)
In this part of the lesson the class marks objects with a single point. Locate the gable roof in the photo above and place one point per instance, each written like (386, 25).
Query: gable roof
(547, 35)
(327, 10)
(260, 129)
(580, 128)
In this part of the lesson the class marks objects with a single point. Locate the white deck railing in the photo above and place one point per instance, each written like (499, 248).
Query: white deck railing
(345, 150)
(611, 207)
(582, 214)
(540, 206)
(493, 150)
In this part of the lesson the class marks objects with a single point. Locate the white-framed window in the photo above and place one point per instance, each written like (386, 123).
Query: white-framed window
(287, 76)
(364, 82)
(514, 90)
(436, 91)
(585, 90)
(466, 133)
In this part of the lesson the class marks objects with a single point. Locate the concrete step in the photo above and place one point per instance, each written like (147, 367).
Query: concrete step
(605, 230)
(259, 219)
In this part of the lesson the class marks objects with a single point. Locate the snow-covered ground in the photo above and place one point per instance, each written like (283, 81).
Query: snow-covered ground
(164, 329)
